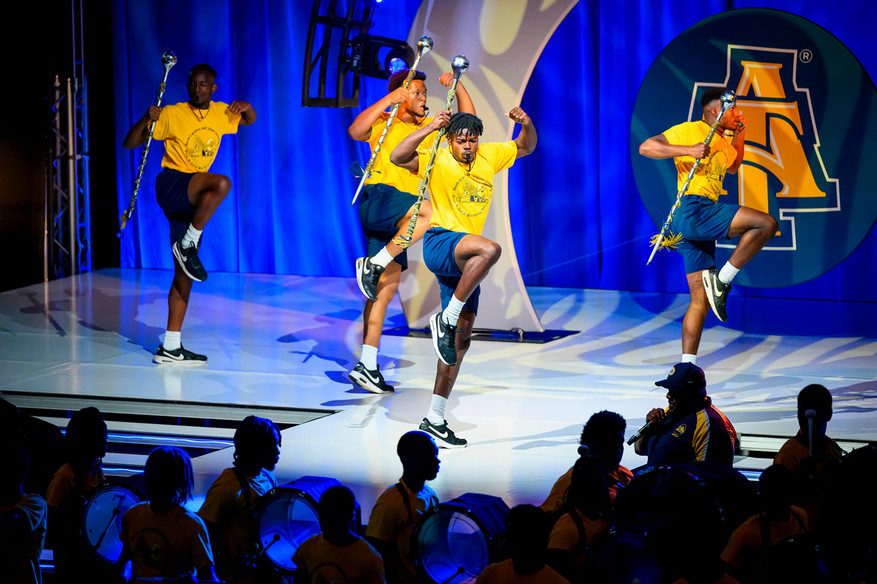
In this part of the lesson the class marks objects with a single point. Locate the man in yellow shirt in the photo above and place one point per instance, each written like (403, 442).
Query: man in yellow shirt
(461, 188)
(386, 207)
(185, 189)
(701, 219)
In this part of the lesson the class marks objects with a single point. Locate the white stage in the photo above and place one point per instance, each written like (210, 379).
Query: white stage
(287, 342)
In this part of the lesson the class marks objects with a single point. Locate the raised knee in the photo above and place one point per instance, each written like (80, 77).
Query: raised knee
(772, 226)
(223, 185)
(493, 251)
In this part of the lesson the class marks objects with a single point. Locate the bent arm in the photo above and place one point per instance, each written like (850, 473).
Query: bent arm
(139, 132)
(245, 109)
(405, 154)
(526, 139)
(738, 142)
(464, 102)
(659, 148)
(361, 128)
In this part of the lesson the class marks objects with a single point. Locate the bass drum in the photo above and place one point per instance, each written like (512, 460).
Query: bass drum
(102, 520)
(288, 515)
(454, 542)
(685, 513)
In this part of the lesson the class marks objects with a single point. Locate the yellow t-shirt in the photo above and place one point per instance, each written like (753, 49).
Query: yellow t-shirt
(325, 562)
(165, 544)
(390, 522)
(504, 573)
(707, 180)
(565, 536)
(384, 171)
(231, 508)
(191, 136)
(461, 193)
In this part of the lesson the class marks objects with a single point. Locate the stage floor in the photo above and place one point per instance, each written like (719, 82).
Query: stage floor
(282, 345)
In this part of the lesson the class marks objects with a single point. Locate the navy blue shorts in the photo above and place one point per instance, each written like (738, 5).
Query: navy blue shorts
(438, 255)
(172, 193)
(380, 208)
(701, 222)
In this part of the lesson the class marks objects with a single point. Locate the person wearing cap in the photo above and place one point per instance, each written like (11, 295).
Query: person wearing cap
(690, 429)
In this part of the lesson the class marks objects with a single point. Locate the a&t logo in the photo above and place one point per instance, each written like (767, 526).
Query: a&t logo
(808, 158)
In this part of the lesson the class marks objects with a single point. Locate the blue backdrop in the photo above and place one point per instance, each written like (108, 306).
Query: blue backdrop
(578, 220)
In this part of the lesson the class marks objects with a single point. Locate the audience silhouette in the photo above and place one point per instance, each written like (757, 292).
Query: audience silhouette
(337, 554)
(232, 499)
(401, 506)
(160, 537)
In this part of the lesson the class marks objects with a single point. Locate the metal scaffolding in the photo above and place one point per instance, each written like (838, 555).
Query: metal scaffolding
(68, 217)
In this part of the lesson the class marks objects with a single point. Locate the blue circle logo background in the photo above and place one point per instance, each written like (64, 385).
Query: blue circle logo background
(811, 137)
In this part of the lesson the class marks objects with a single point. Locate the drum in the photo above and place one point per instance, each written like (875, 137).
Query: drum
(286, 516)
(102, 520)
(455, 542)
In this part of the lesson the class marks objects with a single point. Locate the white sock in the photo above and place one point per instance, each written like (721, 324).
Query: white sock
(369, 357)
(382, 258)
(727, 273)
(171, 340)
(452, 313)
(436, 415)
(689, 358)
(192, 236)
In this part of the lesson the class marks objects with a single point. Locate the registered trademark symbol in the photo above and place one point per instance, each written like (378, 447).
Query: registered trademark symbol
(806, 56)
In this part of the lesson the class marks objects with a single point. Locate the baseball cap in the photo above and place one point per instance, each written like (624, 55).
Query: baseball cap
(685, 376)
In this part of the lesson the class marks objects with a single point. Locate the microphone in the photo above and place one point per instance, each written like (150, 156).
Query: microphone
(810, 415)
(639, 433)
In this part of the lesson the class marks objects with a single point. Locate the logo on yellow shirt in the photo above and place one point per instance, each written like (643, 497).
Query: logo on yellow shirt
(471, 198)
(201, 146)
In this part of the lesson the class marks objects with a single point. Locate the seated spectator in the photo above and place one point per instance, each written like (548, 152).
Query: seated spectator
(691, 429)
(400, 508)
(810, 469)
(777, 521)
(583, 521)
(85, 445)
(160, 537)
(22, 520)
(527, 538)
(231, 501)
(337, 554)
(603, 436)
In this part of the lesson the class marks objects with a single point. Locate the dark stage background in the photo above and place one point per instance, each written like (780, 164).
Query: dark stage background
(577, 217)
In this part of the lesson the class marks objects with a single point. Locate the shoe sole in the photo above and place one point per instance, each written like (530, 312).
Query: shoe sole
(158, 360)
(365, 383)
(433, 329)
(710, 294)
(359, 265)
(180, 261)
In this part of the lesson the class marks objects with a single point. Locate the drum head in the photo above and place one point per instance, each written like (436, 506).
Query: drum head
(456, 541)
(285, 519)
(102, 520)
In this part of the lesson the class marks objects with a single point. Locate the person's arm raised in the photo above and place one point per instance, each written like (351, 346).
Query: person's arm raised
(405, 154)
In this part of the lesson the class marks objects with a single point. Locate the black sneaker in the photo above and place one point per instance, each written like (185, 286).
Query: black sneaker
(188, 259)
(179, 356)
(444, 437)
(716, 293)
(444, 339)
(367, 276)
(371, 380)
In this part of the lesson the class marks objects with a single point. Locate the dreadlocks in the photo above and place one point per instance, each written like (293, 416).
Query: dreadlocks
(463, 122)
